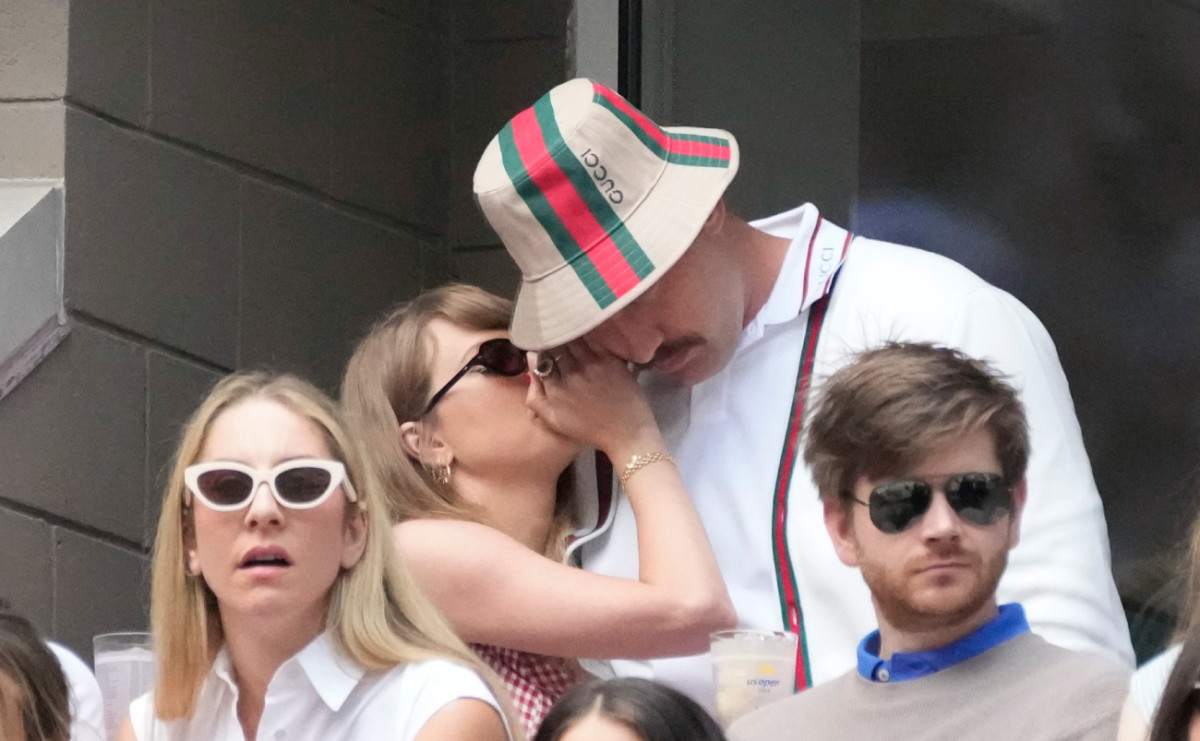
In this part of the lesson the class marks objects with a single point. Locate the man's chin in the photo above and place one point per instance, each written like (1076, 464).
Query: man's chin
(939, 608)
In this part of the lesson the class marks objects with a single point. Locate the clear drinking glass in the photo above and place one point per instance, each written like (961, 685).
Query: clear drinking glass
(125, 671)
(751, 668)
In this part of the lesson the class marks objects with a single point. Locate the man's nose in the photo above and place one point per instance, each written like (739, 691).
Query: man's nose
(940, 522)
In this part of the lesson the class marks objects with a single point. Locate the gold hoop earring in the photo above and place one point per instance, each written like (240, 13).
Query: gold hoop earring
(441, 474)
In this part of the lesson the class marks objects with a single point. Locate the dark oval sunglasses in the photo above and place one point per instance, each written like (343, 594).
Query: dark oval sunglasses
(495, 356)
(978, 498)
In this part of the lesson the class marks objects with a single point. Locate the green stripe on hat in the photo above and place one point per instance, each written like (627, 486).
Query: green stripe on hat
(533, 197)
(674, 158)
(585, 186)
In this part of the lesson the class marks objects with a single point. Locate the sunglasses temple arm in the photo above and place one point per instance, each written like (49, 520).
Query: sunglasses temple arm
(442, 391)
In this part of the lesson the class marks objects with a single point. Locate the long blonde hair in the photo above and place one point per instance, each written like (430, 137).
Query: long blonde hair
(377, 614)
(387, 383)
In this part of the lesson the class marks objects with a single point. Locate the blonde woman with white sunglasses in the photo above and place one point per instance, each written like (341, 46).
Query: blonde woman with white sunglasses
(278, 606)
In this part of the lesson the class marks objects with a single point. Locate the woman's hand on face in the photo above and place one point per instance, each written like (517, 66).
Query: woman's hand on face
(592, 398)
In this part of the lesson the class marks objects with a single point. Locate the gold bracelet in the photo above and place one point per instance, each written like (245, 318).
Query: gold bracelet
(638, 462)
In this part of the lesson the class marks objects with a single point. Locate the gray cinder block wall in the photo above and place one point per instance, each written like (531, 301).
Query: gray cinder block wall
(247, 184)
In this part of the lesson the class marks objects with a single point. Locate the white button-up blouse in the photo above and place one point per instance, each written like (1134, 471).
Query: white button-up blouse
(320, 695)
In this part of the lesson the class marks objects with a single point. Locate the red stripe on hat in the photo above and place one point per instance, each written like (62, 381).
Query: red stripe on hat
(569, 205)
(674, 146)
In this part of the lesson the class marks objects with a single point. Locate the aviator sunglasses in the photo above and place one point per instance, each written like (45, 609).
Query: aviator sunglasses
(495, 356)
(302, 483)
(978, 498)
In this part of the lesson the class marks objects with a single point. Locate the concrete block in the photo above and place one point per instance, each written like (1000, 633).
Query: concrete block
(33, 141)
(248, 80)
(390, 122)
(422, 14)
(109, 57)
(26, 567)
(491, 269)
(492, 83)
(438, 263)
(151, 238)
(175, 388)
(73, 436)
(313, 280)
(30, 270)
(33, 49)
(510, 19)
(100, 588)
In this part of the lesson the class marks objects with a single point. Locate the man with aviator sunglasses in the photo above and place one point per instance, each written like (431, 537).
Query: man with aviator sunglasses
(919, 454)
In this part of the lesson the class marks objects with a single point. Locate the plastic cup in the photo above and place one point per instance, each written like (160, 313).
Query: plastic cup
(751, 668)
(125, 671)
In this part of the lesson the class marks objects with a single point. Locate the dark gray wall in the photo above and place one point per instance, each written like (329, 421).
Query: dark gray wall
(247, 185)
(783, 76)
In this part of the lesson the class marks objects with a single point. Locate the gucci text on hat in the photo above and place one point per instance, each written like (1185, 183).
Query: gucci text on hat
(594, 201)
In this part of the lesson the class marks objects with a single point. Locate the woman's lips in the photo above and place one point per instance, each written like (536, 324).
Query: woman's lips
(268, 556)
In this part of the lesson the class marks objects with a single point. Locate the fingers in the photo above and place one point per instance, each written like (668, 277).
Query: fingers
(536, 399)
(565, 359)
(581, 351)
(567, 366)
(554, 363)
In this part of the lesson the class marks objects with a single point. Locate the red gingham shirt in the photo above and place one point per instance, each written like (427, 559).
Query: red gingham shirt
(534, 681)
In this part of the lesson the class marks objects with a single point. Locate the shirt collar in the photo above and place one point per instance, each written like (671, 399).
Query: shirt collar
(1008, 624)
(783, 305)
(331, 675)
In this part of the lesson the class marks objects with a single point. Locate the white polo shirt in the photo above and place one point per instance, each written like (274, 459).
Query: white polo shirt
(728, 432)
(319, 695)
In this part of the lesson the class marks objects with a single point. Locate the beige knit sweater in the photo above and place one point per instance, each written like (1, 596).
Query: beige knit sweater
(1024, 689)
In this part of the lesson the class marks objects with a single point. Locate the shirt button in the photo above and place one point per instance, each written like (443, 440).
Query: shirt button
(883, 675)
(281, 734)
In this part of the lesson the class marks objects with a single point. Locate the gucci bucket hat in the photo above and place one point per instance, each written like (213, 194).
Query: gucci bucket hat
(594, 201)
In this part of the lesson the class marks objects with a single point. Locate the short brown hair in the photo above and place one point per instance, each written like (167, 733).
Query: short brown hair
(889, 408)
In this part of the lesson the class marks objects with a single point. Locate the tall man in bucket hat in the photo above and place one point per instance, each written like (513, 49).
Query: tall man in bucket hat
(623, 239)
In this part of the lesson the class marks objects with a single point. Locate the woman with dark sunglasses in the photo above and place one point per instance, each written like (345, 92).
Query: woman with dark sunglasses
(476, 452)
(279, 607)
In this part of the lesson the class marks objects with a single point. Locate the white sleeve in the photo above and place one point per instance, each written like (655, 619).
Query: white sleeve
(1060, 571)
(429, 686)
(87, 707)
(1149, 681)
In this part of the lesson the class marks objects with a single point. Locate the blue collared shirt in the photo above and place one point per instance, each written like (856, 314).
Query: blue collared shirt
(1010, 623)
